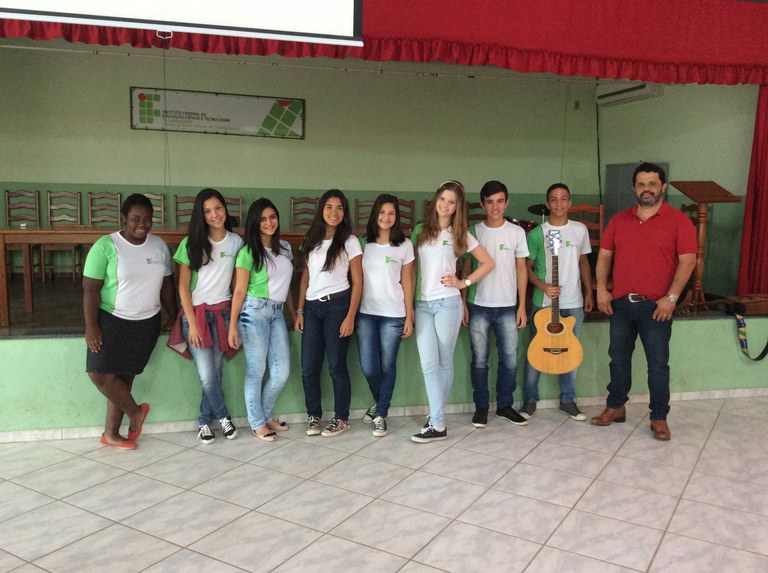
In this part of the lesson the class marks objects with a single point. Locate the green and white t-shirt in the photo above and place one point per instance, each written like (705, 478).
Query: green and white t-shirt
(437, 259)
(574, 242)
(211, 284)
(505, 245)
(273, 280)
(382, 269)
(132, 274)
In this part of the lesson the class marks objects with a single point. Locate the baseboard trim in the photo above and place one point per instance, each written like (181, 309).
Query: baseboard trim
(395, 411)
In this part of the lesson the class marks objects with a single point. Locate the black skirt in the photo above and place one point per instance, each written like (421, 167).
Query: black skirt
(126, 345)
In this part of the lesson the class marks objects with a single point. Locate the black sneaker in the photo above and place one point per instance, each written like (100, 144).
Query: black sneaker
(370, 414)
(379, 427)
(206, 435)
(570, 408)
(511, 415)
(228, 428)
(429, 434)
(528, 409)
(480, 419)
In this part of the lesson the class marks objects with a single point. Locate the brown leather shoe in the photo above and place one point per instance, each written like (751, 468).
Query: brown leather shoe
(660, 430)
(610, 415)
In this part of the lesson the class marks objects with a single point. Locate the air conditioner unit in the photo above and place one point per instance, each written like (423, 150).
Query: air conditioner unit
(610, 92)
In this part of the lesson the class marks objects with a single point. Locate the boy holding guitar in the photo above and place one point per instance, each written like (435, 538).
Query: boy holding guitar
(572, 277)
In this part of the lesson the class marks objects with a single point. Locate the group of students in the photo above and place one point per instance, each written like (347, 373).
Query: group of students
(348, 285)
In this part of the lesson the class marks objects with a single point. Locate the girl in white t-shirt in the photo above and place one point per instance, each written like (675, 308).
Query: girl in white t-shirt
(327, 307)
(206, 260)
(263, 275)
(386, 311)
(441, 240)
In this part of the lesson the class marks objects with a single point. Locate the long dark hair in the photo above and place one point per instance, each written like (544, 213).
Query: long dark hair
(253, 233)
(316, 233)
(198, 245)
(396, 235)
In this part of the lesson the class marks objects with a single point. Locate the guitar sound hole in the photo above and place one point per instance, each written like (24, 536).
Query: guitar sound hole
(555, 327)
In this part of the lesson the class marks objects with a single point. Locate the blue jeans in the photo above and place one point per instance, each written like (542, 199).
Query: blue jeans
(628, 320)
(322, 321)
(503, 320)
(378, 340)
(567, 380)
(437, 329)
(264, 335)
(208, 362)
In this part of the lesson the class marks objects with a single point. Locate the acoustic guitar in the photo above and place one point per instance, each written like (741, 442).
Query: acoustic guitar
(555, 348)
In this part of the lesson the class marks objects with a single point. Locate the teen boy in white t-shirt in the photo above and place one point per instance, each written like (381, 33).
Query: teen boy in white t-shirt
(574, 278)
(498, 302)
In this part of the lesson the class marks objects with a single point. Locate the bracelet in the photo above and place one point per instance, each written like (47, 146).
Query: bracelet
(299, 311)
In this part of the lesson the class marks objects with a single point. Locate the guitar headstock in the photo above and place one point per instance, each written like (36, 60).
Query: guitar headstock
(553, 241)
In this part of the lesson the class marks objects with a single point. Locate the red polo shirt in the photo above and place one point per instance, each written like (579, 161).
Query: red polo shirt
(645, 252)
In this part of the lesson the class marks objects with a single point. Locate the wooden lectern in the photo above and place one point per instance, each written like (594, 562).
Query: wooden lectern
(703, 193)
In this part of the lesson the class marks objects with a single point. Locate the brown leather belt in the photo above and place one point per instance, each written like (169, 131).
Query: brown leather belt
(333, 295)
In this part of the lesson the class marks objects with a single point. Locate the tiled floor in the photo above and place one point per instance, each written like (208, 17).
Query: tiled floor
(555, 496)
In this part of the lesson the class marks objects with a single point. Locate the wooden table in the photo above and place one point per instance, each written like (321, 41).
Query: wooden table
(69, 236)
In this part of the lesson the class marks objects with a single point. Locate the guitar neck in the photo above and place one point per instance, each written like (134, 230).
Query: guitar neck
(555, 282)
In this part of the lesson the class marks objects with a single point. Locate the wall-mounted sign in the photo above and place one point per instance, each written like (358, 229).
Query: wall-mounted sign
(206, 112)
(326, 22)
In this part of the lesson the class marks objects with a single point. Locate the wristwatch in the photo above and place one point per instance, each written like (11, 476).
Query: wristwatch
(672, 298)
(467, 282)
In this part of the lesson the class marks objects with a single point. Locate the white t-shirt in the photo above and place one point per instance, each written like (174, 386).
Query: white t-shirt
(505, 245)
(322, 282)
(382, 270)
(132, 274)
(574, 242)
(437, 259)
(211, 284)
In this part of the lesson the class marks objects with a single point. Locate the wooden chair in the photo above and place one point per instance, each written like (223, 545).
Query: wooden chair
(104, 210)
(22, 208)
(362, 214)
(303, 212)
(63, 210)
(158, 211)
(407, 215)
(182, 209)
(235, 210)
(475, 213)
(593, 217)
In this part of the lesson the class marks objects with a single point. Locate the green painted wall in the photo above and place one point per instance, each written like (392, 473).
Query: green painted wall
(705, 133)
(53, 391)
(394, 126)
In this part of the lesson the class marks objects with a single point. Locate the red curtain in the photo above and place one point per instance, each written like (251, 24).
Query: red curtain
(706, 41)
(753, 266)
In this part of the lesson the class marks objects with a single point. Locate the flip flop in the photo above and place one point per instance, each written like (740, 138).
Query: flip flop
(125, 445)
(269, 437)
(134, 435)
(280, 427)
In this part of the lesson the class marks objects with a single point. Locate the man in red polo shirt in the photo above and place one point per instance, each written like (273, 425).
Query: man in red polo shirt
(653, 250)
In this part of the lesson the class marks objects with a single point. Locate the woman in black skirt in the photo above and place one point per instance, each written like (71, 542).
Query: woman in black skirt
(126, 274)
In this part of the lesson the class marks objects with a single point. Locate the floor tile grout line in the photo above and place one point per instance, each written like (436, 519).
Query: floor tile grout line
(573, 507)
(665, 531)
